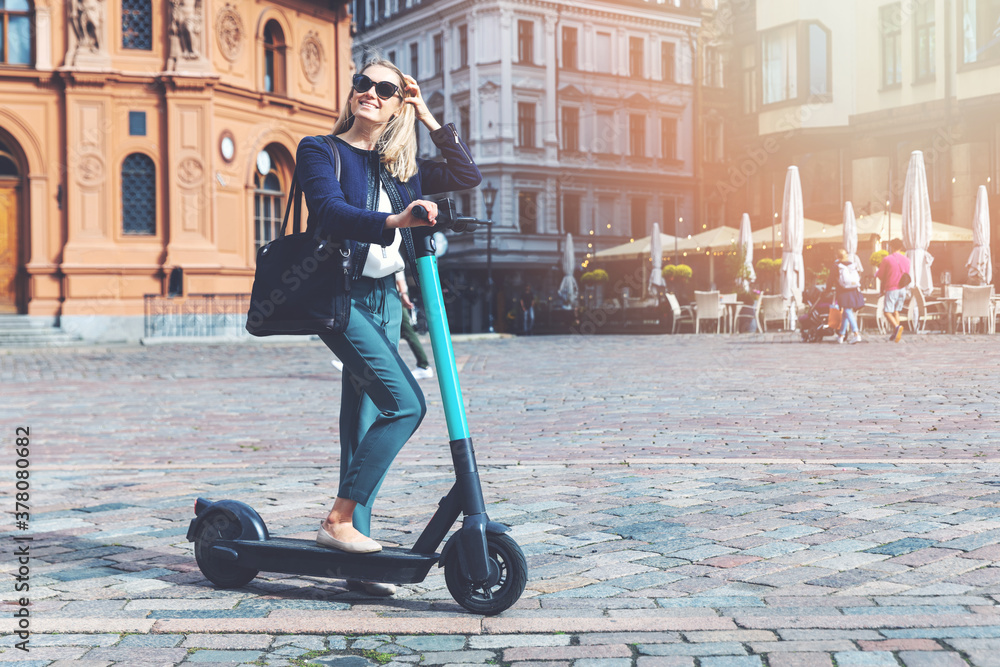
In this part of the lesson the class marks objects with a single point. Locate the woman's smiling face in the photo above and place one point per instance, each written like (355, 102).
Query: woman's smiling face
(368, 105)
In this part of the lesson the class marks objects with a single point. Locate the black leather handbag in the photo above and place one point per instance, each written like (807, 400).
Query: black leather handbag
(302, 283)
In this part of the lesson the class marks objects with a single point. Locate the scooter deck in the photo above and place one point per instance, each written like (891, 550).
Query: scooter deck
(392, 565)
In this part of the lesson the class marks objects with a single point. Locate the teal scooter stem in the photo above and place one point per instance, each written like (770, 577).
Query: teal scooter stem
(473, 554)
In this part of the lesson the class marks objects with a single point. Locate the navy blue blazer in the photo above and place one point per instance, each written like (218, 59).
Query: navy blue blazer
(345, 209)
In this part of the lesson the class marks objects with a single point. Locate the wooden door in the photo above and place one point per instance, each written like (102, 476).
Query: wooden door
(8, 249)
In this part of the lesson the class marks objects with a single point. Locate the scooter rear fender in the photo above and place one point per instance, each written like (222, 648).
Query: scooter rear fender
(251, 525)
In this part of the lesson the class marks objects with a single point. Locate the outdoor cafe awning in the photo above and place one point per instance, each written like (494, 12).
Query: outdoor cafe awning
(884, 225)
(637, 249)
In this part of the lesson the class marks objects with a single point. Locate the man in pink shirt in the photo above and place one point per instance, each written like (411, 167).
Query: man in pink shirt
(894, 272)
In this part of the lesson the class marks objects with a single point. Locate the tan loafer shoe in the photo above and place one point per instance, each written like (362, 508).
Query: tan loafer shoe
(365, 546)
(375, 588)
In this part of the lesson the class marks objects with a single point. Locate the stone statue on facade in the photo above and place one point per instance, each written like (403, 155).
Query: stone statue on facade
(187, 23)
(87, 20)
(185, 29)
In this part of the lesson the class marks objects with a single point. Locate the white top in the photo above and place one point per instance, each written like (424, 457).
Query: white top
(383, 261)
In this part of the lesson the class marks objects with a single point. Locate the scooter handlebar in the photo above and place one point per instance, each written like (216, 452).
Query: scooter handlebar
(446, 220)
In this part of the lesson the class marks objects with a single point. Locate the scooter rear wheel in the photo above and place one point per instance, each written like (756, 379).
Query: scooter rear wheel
(213, 528)
(491, 599)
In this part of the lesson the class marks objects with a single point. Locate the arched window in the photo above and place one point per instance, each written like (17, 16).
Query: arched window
(137, 24)
(139, 195)
(267, 206)
(274, 58)
(15, 32)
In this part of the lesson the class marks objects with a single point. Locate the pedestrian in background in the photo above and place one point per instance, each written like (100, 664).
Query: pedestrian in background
(423, 370)
(849, 296)
(527, 303)
(894, 272)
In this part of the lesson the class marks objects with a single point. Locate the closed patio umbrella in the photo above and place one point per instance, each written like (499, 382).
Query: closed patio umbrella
(657, 284)
(793, 275)
(917, 223)
(851, 236)
(568, 290)
(980, 264)
(745, 243)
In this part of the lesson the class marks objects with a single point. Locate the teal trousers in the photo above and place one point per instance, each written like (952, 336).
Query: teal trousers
(381, 405)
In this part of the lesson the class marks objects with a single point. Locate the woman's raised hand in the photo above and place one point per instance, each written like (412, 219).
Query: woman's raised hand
(411, 95)
(408, 219)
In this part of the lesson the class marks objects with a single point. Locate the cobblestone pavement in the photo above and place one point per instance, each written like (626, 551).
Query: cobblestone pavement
(709, 501)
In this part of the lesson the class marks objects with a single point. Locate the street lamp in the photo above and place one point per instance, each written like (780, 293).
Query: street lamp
(489, 198)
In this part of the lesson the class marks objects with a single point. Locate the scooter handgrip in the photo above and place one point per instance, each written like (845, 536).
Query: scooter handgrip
(419, 212)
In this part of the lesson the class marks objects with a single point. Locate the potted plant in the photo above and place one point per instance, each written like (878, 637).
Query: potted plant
(876, 258)
(596, 280)
(676, 276)
(768, 270)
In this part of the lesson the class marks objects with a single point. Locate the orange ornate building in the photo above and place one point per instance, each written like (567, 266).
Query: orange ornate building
(139, 137)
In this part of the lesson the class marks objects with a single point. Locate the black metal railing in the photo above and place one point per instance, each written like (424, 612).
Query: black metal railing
(196, 315)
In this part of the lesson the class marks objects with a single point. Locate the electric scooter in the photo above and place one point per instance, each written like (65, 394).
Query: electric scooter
(484, 568)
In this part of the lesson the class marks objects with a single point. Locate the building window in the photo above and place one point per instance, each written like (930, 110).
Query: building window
(780, 71)
(391, 56)
(464, 123)
(465, 201)
(569, 48)
(713, 67)
(639, 217)
(137, 123)
(602, 42)
(414, 60)
(605, 132)
(527, 212)
(15, 32)
(572, 223)
(571, 129)
(980, 30)
(274, 58)
(267, 208)
(668, 61)
(438, 54)
(923, 40)
(819, 60)
(637, 135)
(668, 138)
(137, 24)
(526, 42)
(749, 82)
(890, 19)
(713, 140)
(139, 195)
(526, 124)
(463, 45)
(796, 62)
(636, 55)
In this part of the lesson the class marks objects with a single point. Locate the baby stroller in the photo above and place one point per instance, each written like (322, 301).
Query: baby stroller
(815, 323)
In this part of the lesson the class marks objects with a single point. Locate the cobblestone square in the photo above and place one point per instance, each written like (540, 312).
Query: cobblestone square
(689, 500)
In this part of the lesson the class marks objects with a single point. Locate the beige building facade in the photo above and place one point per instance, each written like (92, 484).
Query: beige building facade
(848, 90)
(147, 146)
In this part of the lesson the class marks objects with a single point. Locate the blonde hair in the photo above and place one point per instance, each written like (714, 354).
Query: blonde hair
(397, 145)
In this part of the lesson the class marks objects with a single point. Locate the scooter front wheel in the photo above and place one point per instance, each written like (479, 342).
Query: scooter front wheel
(492, 598)
(216, 527)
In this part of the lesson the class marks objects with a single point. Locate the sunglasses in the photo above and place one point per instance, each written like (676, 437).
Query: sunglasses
(384, 89)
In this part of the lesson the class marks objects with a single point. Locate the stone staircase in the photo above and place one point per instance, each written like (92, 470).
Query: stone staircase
(22, 331)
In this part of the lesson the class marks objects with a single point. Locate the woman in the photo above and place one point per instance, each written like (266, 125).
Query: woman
(381, 180)
(849, 296)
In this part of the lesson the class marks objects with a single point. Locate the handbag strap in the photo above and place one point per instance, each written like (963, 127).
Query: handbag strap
(295, 192)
